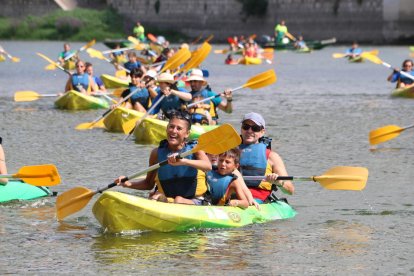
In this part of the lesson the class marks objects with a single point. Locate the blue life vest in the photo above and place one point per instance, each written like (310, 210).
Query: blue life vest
(141, 95)
(218, 185)
(397, 76)
(177, 180)
(253, 161)
(132, 65)
(168, 104)
(80, 80)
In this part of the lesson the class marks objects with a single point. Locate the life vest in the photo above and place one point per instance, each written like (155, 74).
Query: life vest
(132, 65)
(80, 80)
(218, 186)
(404, 79)
(198, 115)
(254, 161)
(184, 181)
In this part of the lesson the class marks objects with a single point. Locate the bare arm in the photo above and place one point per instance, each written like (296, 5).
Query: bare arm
(241, 201)
(278, 168)
(201, 162)
(246, 190)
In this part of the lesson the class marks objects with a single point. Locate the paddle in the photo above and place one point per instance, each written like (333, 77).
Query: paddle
(138, 47)
(336, 178)
(385, 133)
(54, 63)
(342, 55)
(377, 60)
(197, 57)
(88, 45)
(258, 81)
(14, 59)
(37, 175)
(290, 36)
(215, 141)
(98, 54)
(29, 96)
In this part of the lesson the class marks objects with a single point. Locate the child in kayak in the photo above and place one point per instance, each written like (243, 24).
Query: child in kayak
(225, 179)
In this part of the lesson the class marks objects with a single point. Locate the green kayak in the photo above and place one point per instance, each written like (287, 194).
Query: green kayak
(311, 44)
(120, 213)
(18, 190)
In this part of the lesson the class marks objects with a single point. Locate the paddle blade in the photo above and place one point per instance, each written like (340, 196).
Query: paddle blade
(384, 134)
(39, 175)
(118, 92)
(72, 201)
(344, 178)
(261, 80)
(120, 74)
(95, 54)
(338, 55)
(198, 57)
(128, 126)
(177, 59)
(88, 45)
(221, 51)
(15, 59)
(219, 140)
(91, 125)
(50, 67)
(26, 96)
(372, 58)
(152, 38)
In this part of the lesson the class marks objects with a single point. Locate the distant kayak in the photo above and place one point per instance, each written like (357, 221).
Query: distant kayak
(405, 92)
(250, 61)
(356, 59)
(19, 190)
(111, 43)
(119, 212)
(312, 44)
(73, 100)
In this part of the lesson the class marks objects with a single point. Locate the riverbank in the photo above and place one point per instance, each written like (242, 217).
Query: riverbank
(77, 25)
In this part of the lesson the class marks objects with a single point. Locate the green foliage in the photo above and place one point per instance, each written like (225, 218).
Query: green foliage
(254, 7)
(76, 25)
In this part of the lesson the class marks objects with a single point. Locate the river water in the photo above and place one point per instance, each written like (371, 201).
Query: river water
(319, 114)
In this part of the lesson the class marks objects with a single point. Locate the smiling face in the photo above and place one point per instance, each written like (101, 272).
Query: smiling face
(251, 132)
(177, 133)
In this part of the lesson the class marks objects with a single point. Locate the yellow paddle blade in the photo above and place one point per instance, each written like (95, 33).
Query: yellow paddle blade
(338, 55)
(95, 54)
(120, 73)
(177, 59)
(198, 57)
(39, 175)
(384, 134)
(290, 36)
(221, 51)
(72, 201)
(26, 96)
(50, 67)
(90, 125)
(46, 58)
(218, 140)
(88, 45)
(118, 92)
(134, 40)
(371, 58)
(128, 126)
(343, 178)
(374, 52)
(15, 59)
(261, 80)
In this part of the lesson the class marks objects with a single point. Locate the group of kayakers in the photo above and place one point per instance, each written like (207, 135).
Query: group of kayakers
(200, 179)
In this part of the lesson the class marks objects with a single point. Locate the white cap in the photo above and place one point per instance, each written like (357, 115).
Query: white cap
(256, 118)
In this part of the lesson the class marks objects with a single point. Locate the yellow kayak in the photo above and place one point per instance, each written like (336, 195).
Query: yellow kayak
(250, 61)
(113, 82)
(404, 92)
(73, 100)
(152, 131)
(2, 58)
(69, 65)
(114, 121)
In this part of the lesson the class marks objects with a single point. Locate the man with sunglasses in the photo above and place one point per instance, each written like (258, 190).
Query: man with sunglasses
(258, 159)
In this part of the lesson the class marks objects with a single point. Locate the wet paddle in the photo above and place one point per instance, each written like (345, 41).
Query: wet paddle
(258, 81)
(336, 178)
(197, 57)
(37, 175)
(83, 48)
(377, 60)
(215, 141)
(385, 133)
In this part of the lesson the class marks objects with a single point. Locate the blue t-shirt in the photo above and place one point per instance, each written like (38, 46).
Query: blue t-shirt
(352, 51)
(172, 102)
(141, 96)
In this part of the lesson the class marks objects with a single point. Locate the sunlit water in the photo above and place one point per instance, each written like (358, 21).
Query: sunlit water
(319, 114)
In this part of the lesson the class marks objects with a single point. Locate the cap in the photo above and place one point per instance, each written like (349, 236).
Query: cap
(256, 118)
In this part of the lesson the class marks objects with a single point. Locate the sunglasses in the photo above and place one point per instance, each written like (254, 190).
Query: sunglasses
(255, 128)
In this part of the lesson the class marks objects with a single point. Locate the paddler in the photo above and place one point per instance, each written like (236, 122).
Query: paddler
(174, 98)
(280, 31)
(66, 53)
(133, 63)
(258, 159)
(140, 100)
(80, 80)
(354, 51)
(89, 70)
(139, 32)
(198, 83)
(3, 168)
(181, 180)
(401, 80)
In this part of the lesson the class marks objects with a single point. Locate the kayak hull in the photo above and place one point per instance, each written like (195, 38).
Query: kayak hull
(73, 100)
(119, 213)
(152, 131)
(18, 190)
(120, 115)
(250, 61)
(405, 92)
(357, 59)
(113, 82)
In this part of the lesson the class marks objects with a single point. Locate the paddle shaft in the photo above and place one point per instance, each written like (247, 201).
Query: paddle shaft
(112, 62)
(145, 115)
(149, 169)
(298, 178)
(92, 42)
(212, 97)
